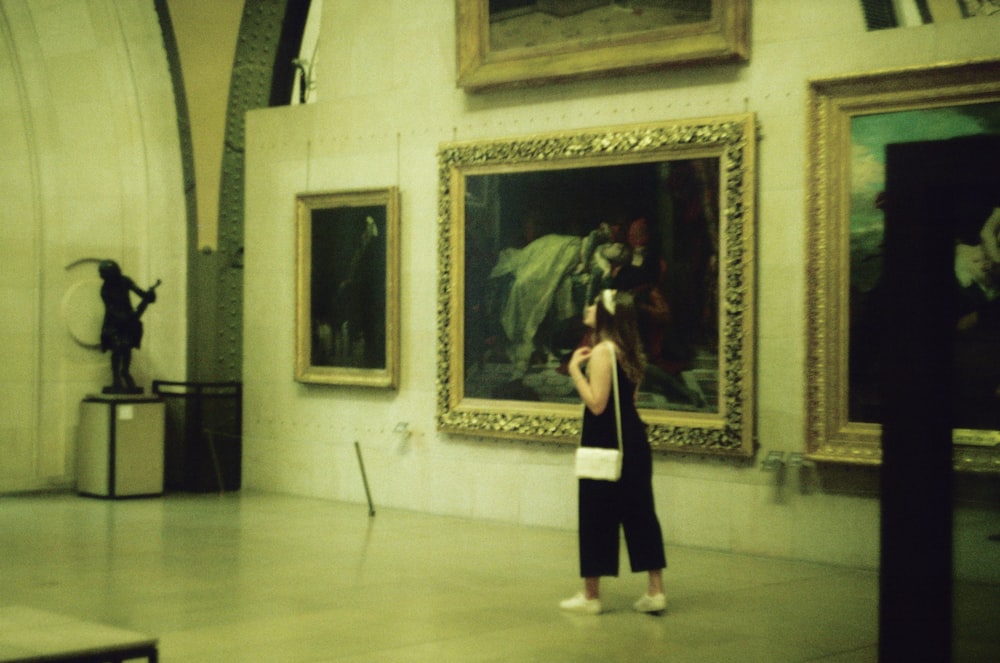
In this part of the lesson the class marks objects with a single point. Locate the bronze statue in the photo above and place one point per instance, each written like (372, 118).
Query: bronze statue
(122, 328)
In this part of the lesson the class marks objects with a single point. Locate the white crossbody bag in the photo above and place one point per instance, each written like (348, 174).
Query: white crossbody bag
(598, 462)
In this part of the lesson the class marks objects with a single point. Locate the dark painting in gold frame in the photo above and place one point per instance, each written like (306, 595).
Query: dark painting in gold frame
(521, 225)
(347, 288)
(851, 120)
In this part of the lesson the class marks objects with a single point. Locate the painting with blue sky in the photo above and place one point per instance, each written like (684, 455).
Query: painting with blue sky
(869, 136)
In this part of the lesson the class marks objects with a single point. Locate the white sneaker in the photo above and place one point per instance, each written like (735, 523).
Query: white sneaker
(582, 605)
(649, 603)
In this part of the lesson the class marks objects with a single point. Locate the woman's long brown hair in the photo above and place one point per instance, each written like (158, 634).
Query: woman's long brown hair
(622, 328)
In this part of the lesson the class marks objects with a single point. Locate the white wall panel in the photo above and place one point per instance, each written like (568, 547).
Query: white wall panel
(387, 101)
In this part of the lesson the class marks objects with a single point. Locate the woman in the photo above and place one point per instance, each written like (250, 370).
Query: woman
(604, 506)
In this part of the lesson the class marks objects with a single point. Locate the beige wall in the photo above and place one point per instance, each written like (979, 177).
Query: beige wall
(90, 169)
(387, 101)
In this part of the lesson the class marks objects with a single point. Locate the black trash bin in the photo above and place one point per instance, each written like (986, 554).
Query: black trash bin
(203, 444)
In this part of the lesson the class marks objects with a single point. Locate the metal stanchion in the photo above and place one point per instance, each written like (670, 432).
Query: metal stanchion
(364, 478)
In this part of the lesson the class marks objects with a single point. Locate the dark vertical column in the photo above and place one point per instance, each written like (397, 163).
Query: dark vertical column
(916, 555)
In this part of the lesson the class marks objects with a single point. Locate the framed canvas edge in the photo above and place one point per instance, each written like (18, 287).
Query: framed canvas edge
(734, 139)
(831, 103)
(304, 371)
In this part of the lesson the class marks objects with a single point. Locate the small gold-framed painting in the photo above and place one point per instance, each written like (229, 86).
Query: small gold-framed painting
(347, 288)
(503, 43)
(531, 228)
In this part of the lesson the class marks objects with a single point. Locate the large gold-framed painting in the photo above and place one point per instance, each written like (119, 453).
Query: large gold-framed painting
(854, 121)
(502, 43)
(531, 228)
(347, 288)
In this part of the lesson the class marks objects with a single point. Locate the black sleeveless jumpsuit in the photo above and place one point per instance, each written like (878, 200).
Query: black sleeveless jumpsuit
(606, 505)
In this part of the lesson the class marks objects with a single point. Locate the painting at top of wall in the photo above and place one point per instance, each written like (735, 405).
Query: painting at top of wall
(541, 23)
(504, 43)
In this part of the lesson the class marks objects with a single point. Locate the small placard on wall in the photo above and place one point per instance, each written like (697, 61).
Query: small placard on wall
(126, 413)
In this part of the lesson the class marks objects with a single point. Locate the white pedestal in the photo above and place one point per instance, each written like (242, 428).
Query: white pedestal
(120, 446)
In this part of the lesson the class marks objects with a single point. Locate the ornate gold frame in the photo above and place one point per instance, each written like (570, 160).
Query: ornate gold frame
(726, 37)
(346, 209)
(832, 104)
(732, 140)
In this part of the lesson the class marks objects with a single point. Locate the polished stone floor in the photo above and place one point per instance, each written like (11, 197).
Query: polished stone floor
(256, 577)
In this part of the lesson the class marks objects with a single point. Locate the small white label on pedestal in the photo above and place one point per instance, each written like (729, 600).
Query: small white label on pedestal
(126, 412)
